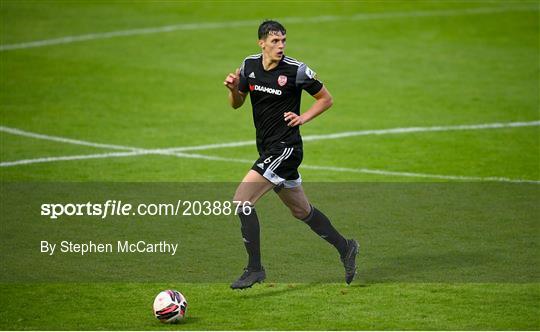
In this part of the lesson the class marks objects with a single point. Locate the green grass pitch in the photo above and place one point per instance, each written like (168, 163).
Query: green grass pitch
(447, 219)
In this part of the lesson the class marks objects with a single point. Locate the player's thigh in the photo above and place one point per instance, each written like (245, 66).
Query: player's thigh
(296, 200)
(252, 188)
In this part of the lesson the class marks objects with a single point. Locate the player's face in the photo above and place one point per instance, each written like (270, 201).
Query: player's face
(273, 46)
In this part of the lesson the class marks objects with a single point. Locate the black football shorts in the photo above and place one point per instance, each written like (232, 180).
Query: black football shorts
(279, 165)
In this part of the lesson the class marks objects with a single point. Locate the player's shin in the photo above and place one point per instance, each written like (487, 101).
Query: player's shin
(321, 225)
(251, 236)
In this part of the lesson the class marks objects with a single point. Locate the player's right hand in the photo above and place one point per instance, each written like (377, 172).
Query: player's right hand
(232, 80)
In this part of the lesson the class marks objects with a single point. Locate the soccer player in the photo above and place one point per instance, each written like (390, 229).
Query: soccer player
(275, 82)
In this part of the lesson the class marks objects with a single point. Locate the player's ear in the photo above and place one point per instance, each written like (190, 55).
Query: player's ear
(261, 43)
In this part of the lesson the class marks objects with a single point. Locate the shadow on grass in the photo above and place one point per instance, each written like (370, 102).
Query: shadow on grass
(186, 324)
(189, 320)
(452, 266)
(268, 290)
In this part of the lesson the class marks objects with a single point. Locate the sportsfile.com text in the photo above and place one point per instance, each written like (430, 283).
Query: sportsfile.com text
(117, 208)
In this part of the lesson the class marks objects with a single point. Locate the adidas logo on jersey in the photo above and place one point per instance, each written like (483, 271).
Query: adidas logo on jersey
(260, 165)
(252, 75)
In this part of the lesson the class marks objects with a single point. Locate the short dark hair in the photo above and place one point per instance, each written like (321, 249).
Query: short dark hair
(269, 26)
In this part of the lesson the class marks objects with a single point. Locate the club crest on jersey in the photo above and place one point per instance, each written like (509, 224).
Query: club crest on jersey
(282, 80)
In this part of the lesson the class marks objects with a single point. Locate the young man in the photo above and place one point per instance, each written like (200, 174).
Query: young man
(275, 83)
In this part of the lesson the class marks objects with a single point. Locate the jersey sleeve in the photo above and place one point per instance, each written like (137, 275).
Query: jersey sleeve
(306, 79)
(243, 85)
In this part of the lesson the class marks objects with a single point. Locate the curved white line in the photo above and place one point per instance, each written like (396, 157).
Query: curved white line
(234, 24)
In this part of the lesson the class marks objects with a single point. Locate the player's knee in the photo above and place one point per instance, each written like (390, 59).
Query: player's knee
(240, 197)
(300, 212)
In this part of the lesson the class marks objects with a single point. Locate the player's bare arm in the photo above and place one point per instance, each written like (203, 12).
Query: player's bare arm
(323, 101)
(236, 97)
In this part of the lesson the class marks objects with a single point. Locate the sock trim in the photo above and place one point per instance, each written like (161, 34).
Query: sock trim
(310, 215)
(240, 209)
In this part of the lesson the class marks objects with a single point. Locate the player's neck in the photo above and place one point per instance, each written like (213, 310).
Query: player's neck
(268, 63)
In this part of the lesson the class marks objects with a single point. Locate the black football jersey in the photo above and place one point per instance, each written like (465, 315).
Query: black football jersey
(273, 93)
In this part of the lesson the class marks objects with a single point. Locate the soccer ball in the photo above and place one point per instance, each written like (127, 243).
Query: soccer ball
(170, 306)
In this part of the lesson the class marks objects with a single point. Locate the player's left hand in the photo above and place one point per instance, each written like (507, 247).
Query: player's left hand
(293, 118)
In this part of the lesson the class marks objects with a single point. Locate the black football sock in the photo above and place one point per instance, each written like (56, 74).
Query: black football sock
(251, 236)
(321, 225)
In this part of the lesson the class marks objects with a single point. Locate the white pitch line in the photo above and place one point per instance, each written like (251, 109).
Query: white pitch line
(210, 146)
(177, 150)
(418, 175)
(19, 132)
(115, 155)
(307, 138)
(312, 167)
(422, 129)
(234, 24)
(65, 158)
(371, 171)
(390, 131)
